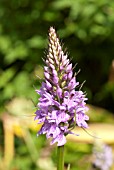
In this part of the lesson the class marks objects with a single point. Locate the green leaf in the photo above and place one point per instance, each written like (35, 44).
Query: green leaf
(6, 76)
(20, 51)
(36, 42)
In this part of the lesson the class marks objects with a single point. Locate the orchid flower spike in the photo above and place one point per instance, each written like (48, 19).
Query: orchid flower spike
(61, 107)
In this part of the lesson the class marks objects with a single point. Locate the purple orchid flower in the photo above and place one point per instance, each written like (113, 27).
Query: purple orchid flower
(60, 106)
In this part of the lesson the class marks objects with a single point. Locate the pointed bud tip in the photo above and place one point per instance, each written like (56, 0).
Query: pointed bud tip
(51, 29)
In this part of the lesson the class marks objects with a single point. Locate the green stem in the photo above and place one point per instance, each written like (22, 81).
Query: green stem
(60, 157)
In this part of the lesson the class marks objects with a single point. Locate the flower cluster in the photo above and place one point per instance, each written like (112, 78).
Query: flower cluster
(60, 106)
(103, 158)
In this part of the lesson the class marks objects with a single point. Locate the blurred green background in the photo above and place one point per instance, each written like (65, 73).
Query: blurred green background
(86, 27)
